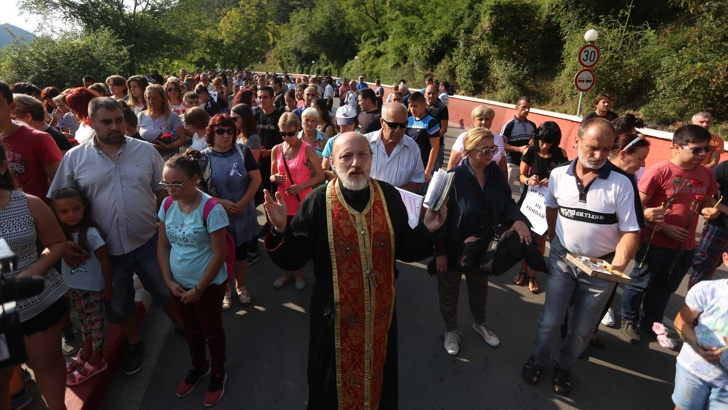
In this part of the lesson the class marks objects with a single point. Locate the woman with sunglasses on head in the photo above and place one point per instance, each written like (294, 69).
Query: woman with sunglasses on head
(174, 94)
(231, 175)
(159, 125)
(191, 255)
(289, 170)
(536, 166)
(479, 199)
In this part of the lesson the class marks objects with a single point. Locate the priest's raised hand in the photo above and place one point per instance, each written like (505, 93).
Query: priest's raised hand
(276, 210)
(434, 220)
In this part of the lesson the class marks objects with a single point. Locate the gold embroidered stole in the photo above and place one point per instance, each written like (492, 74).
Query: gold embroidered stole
(362, 256)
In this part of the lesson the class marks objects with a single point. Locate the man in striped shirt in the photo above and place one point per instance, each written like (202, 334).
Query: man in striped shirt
(518, 136)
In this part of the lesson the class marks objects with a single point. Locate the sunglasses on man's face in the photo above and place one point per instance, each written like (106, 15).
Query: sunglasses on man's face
(395, 124)
(697, 150)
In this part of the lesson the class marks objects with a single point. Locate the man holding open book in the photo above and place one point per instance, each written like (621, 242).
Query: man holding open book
(590, 212)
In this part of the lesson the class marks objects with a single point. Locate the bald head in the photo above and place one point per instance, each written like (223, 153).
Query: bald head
(431, 94)
(352, 160)
(349, 140)
(393, 112)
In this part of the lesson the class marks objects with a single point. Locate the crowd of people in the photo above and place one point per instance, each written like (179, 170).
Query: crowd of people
(160, 177)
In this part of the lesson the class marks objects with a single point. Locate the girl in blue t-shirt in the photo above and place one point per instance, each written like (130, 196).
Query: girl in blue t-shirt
(191, 253)
(89, 284)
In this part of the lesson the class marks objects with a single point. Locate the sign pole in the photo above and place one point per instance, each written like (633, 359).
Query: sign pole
(588, 57)
(578, 108)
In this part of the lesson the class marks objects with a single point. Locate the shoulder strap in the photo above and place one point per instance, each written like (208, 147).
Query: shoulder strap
(208, 208)
(167, 203)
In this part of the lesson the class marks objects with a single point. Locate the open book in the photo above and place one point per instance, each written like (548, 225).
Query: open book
(438, 189)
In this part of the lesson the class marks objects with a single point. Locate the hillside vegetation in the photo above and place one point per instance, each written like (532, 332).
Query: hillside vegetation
(664, 59)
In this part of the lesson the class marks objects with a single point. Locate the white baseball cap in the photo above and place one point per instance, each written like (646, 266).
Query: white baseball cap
(345, 115)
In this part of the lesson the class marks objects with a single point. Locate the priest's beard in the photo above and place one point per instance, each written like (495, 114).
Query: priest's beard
(354, 179)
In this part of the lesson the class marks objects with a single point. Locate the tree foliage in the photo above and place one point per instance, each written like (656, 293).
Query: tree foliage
(63, 60)
(134, 22)
(665, 59)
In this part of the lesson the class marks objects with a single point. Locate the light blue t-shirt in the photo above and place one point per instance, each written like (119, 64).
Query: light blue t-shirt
(710, 298)
(191, 247)
(87, 276)
(329, 147)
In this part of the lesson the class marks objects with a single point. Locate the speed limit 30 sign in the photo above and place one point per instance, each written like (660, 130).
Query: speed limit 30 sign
(589, 55)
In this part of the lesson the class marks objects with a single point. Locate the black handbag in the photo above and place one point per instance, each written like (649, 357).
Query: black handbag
(497, 250)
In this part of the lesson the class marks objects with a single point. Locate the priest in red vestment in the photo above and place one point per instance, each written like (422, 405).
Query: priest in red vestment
(353, 228)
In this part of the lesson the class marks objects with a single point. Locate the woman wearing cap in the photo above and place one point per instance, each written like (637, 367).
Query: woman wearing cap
(346, 120)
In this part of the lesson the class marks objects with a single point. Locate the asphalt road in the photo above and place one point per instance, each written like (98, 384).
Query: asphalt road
(267, 348)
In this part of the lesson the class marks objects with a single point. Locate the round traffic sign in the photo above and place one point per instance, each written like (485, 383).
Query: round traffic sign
(584, 80)
(589, 55)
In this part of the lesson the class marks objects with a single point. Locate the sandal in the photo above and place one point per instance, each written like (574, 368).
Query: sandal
(90, 371)
(533, 285)
(520, 279)
(76, 363)
(532, 371)
(562, 381)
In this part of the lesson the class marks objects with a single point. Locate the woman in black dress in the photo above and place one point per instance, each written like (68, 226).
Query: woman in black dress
(536, 166)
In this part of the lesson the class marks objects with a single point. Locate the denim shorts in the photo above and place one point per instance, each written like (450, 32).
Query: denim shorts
(143, 262)
(694, 393)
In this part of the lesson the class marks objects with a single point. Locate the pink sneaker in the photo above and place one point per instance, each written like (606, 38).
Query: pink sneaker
(215, 390)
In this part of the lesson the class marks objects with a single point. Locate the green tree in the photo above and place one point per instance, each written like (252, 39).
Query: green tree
(246, 33)
(693, 72)
(63, 60)
(135, 22)
(319, 32)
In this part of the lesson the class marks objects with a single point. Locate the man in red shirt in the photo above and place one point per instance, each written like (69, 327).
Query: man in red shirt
(686, 188)
(33, 156)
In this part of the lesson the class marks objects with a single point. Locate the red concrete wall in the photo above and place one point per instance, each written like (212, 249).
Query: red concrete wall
(460, 107)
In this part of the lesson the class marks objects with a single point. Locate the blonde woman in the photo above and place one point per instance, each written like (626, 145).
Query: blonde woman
(478, 190)
(159, 125)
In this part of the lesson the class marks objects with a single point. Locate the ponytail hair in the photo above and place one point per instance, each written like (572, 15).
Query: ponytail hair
(189, 162)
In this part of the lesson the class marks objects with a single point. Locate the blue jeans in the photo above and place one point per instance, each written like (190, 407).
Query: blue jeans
(651, 285)
(694, 393)
(590, 295)
(143, 262)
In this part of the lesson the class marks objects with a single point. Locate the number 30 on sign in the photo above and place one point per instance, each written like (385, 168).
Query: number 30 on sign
(589, 55)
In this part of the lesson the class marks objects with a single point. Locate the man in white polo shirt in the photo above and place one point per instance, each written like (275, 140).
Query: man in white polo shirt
(590, 211)
(395, 156)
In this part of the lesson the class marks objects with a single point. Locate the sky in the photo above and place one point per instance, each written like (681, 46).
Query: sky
(13, 16)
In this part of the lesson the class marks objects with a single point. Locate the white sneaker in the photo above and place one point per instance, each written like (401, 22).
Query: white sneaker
(487, 334)
(226, 302)
(452, 342)
(244, 295)
(608, 319)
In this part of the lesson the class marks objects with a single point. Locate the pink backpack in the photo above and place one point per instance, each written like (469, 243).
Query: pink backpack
(229, 241)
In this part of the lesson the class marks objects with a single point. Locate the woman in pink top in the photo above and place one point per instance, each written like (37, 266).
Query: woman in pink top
(290, 170)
